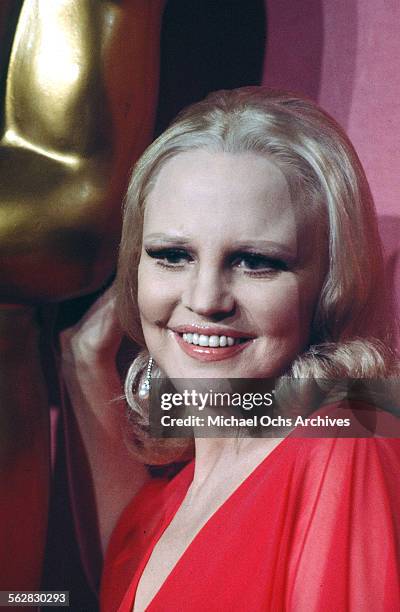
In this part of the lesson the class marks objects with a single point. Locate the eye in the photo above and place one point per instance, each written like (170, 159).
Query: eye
(257, 264)
(170, 257)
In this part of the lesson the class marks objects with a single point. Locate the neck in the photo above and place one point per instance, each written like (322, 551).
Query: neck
(229, 458)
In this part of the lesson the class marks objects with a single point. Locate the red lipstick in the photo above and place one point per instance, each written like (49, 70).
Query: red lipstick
(208, 353)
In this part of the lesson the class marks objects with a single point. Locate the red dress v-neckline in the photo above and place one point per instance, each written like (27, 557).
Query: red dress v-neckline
(185, 479)
(315, 526)
(184, 476)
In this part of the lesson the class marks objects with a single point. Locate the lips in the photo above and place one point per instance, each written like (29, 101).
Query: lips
(205, 344)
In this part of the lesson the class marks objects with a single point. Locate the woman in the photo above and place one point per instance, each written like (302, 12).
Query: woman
(250, 250)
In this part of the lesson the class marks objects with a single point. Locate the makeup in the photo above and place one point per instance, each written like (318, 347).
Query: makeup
(209, 344)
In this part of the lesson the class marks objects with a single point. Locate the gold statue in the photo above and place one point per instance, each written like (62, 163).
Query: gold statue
(79, 102)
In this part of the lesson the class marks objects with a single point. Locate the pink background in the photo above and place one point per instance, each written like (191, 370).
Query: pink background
(346, 55)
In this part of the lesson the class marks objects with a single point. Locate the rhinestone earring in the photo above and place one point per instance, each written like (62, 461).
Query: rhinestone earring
(144, 390)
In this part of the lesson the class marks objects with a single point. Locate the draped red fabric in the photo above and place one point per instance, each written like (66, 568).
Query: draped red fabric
(315, 527)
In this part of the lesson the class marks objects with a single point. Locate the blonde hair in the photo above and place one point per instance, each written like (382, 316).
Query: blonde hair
(325, 175)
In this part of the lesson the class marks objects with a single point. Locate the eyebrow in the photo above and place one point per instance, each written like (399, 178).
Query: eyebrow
(272, 247)
(175, 239)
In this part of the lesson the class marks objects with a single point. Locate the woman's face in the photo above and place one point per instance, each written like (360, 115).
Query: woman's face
(230, 269)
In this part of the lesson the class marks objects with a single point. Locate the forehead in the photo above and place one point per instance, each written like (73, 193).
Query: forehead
(244, 193)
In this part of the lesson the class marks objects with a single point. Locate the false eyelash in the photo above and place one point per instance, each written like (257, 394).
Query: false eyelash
(163, 253)
(269, 262)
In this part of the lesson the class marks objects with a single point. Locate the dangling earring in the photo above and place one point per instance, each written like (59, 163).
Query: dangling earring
(144, 390)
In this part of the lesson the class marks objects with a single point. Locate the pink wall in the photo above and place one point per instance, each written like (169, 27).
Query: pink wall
(346, 55)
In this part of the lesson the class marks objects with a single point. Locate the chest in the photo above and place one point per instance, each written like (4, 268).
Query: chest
(231, 557)
(187, 524)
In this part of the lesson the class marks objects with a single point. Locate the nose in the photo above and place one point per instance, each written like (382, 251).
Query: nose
(209, 294)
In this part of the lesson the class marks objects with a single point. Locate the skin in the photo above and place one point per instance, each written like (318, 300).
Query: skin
(88, 365)
(206, 263)
(193, 271)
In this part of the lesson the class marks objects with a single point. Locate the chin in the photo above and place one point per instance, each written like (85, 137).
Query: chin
(215, 370)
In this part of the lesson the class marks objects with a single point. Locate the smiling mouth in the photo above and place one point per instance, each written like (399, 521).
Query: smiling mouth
(211, 341)
(204, 347)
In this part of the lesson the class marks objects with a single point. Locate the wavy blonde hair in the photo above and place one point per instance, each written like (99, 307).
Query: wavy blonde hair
(353, 329)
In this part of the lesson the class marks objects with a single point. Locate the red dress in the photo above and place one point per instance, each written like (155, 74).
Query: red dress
(314, 528)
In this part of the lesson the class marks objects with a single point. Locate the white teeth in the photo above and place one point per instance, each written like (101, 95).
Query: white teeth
(211, 341)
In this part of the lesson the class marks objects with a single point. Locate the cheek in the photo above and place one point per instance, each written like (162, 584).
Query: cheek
(284, 311)
(156, 296)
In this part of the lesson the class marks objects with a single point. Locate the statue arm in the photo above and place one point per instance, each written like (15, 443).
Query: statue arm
(80, 71)
(80, 98)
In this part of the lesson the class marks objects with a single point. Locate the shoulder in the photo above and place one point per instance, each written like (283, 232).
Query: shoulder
(346, 526)
(350, 462)
(349, 443)
(348, 459)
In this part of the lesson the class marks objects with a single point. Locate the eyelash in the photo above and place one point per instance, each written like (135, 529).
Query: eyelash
(270, 265)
